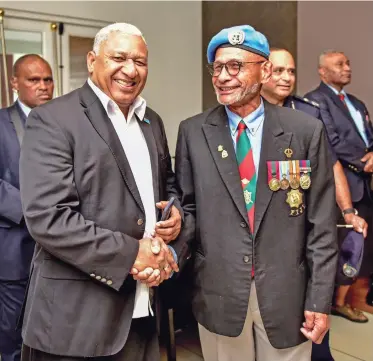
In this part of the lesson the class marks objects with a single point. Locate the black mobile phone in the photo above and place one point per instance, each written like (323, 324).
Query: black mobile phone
(167, 210)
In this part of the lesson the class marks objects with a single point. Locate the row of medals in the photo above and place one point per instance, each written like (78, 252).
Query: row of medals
(304, 182)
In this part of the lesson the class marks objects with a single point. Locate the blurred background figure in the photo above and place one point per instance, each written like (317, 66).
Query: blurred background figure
(32, 80)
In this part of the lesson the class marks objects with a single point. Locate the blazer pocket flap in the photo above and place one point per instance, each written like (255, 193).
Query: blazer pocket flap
(55, 269)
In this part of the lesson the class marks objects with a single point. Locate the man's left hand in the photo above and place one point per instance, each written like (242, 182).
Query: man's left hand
(316, 326)
(358, 223)
(170, 229)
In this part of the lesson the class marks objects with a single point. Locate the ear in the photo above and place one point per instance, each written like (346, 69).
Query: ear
(266, 71)
(14, 83)
(91, 59)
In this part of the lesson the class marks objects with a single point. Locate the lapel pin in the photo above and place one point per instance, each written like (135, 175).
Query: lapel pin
(224, 154)
(220, 148)
(288, 152)
(147, 121)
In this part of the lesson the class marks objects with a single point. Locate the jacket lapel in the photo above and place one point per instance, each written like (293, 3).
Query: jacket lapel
(274, 142)
(147, 130)
(96, 114)
(338, 102)
(217, 134)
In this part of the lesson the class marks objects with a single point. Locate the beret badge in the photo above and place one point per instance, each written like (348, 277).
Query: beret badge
(236, 37)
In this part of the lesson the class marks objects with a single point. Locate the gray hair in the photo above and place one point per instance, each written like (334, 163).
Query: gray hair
(123, 28)
(325, 54)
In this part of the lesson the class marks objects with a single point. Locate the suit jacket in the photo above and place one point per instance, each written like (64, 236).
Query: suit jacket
(344, 136)
(16, 244)
(84, 210)
(312, 108)
(294, 257)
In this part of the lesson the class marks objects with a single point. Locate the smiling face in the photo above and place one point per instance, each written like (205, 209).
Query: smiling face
(281, 84)
(240, 89)
(120, 69)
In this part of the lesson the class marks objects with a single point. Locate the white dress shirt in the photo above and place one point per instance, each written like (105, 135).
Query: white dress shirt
(24, 108)
(137, 153)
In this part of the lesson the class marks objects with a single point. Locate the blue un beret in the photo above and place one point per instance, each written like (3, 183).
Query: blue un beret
(244, 37)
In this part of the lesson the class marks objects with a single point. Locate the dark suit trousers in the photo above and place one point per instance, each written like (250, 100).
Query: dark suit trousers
(141, 345)
(12, 294)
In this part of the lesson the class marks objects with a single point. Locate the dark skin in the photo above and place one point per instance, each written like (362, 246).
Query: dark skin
(120, 70)
(335, 70)
(33, 82)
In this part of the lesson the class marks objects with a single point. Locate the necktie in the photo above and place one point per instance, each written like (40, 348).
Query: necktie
(246, 166)
(342, 97)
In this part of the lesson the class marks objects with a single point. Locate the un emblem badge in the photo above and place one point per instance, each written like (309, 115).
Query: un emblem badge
(236, 37)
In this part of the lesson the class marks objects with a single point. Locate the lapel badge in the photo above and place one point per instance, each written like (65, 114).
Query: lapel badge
(248, 197)
(220, 148)
(288, 152)
(224, 154)
(147, 121)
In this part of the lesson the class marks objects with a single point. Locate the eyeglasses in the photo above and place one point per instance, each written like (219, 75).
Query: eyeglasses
(232, 67)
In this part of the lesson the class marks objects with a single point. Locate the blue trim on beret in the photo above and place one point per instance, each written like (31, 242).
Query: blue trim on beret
(244, 37)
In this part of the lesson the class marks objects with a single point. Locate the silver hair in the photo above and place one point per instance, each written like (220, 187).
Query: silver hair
(325, 54)
(122, 28)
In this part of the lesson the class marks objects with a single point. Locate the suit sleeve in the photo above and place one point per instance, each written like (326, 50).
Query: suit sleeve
(341, 148)
(184, 179)
(321, 248)
(51, 206)
(10, 203)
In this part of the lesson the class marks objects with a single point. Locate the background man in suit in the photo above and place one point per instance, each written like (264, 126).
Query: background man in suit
(32, 80)
(278, 90)
(265, 257)
(351, 135)
(94, 163)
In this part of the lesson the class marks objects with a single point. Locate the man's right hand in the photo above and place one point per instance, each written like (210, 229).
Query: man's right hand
(163, 264)
(368, 160)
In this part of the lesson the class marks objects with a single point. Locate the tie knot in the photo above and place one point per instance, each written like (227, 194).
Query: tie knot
(242, 125)
(341, 96)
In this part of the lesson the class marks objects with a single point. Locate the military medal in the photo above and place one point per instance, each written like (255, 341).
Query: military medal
(294, 198)
(273, 179)
(274, 184)
(294, 183)
(305, 181)
(284, 183)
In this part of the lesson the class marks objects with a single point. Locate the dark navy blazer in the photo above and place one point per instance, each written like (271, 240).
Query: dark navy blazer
(16, 245)
(345, 137)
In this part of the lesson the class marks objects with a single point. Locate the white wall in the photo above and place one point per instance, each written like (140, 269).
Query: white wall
(340, 25)
(173, 33)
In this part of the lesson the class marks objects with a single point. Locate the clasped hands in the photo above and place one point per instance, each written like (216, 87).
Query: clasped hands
(155, 262)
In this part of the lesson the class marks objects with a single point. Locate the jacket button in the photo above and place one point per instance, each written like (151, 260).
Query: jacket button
(140, 222)
(246, 259)
(109, 282)
(243, 224)
(103, 280)
(92, 275)
(98, 278)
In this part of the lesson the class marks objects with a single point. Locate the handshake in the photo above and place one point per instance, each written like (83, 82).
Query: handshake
(155, 262)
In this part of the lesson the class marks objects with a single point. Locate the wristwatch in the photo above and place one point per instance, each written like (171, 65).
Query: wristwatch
(350, 211)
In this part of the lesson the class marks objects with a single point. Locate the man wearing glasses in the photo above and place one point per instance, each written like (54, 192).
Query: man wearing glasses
(258, 196)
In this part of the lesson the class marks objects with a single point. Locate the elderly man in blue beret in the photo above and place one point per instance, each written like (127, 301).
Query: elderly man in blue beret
(258, 195)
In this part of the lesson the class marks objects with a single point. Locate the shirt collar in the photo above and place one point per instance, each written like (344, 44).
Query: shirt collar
(253, 120)
(138, 107)
(24, 108)
(336, 92)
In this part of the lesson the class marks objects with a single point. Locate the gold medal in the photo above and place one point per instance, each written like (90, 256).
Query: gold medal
(294, 183)
(274, 184)
(294, 198)
(305, 181)
(284, 184)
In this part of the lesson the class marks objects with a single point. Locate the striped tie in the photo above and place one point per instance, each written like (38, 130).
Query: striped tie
(246, 166)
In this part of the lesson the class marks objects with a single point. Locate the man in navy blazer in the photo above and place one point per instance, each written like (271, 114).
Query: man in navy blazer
(32, 80)
(351, 135)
